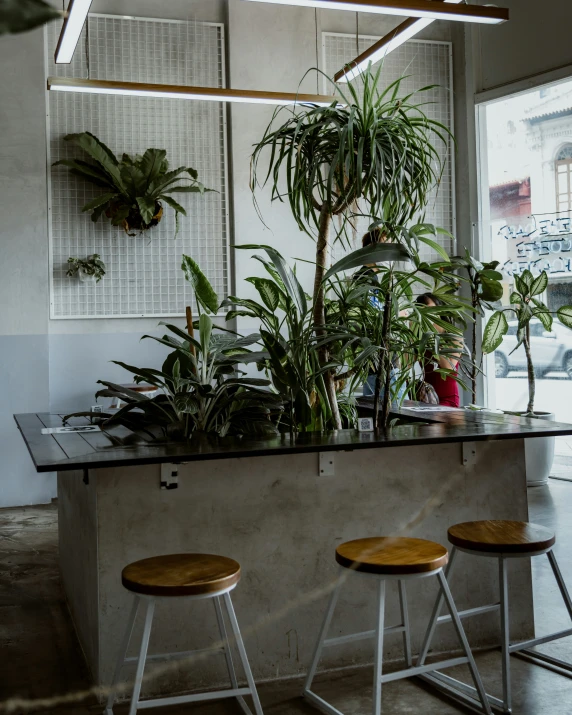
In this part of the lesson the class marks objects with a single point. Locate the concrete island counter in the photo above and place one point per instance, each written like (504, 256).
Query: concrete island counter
(280, 507)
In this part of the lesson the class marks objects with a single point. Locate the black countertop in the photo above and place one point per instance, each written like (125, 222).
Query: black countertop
(92, 450)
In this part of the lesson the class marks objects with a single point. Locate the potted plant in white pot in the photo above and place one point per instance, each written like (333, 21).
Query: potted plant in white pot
(87, 269)
(526, 305)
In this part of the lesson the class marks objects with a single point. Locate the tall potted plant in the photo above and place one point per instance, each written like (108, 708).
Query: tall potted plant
(525, 304)
(370, 154)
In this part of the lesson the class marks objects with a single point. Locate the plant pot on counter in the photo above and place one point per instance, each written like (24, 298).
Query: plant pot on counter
(539, 454)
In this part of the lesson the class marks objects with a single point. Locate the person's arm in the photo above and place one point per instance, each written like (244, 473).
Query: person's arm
(450, 361)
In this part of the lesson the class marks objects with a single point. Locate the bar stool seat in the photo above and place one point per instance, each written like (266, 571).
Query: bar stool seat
(191, 577)
(502, 540)
(385, 559)
(181, 575)
(391, 555)
(501, 537)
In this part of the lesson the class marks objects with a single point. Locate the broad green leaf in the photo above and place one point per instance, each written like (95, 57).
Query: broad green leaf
(147, 208)
(23, 15)
(150, 164)
(268, 290)
(565, 315)
(515, 298)
(545, 318)
(100, 152)
(374, 253)
(539, 284)
(98, 201)
(491, 274)
(494, 332)
(527, 278)
(204, 291)
(436, 247)
(173, 204)
(490, 290)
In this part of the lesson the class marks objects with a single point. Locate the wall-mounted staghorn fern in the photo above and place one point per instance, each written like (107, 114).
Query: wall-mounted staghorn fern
(134, 187)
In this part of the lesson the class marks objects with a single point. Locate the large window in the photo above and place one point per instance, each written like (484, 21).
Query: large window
(526, 211)
(564, 179)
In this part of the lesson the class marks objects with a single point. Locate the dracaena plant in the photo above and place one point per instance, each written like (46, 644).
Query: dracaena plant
(134, 188)
(286, 333)
(525, 304)
(370, 154)
(201, 388)
(485, 286)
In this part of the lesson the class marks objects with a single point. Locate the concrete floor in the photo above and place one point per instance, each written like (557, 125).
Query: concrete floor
(41, 658)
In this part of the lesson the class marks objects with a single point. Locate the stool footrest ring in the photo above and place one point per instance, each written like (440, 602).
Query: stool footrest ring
(539, 641)
(460, 691)
(547, 661)
(198, 697)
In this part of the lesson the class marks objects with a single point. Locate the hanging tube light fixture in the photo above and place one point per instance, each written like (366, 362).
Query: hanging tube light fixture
(168, 91)
(398, 36)
(71, 30)
(433, 9)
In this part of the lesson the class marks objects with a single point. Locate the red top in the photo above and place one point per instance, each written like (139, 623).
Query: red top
(447, 389)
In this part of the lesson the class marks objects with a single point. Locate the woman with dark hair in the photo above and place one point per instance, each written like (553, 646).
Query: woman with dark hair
(447, 388)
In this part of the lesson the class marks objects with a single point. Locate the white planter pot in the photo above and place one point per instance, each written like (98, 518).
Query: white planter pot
(85, 277)
(539, 452)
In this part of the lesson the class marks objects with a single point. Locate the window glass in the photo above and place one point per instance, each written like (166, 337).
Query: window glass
(527, 224)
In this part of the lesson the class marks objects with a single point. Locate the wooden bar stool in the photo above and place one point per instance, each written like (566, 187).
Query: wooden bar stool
(401, 559)
(194, 577)
(502, 540)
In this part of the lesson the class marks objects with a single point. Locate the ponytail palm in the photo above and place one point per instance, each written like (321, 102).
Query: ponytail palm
(376, 149)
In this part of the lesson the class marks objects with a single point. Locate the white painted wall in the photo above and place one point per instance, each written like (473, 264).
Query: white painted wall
(54, 364)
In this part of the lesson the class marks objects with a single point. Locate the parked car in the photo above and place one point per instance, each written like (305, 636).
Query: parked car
(551, 351)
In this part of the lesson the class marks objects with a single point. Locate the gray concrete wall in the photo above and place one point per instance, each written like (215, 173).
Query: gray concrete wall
(534, 40)
(78, 554)
(282, 521)
(24, 263)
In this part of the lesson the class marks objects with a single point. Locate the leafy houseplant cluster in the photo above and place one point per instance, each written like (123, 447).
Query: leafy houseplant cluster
(134, 188)
(201, 388)
(525, 304)
(370, 156)
(88, 268)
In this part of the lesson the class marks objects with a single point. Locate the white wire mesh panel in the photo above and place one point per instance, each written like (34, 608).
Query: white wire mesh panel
(423, 63)
(143, 272)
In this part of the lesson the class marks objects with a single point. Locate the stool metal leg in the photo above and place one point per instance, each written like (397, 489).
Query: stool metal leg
(505, 634)
(378, 667)
(242, 653)
(435, 614)
(142, 656)
(322, 637)
(548, 661)
(121, 657)
(465, 643)
(560, 581)
(405, 622)
(228, 654)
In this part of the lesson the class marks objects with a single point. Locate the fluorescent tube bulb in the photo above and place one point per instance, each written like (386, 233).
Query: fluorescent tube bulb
(383, 47)
(434, 9)
(137, 89)
(71, 30)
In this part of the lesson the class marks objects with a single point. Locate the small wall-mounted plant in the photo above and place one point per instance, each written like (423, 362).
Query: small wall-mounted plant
(135, 187)
(88, 269)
